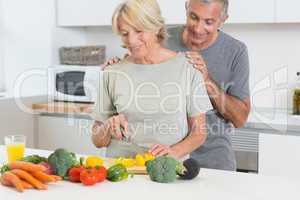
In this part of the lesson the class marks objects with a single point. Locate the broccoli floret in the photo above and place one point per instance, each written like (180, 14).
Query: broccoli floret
(162, 169)
(62, 160)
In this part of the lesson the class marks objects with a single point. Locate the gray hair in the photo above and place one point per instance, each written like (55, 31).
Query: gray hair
(224, 2)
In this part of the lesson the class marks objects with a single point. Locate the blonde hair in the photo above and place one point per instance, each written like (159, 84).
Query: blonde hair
(143, 15)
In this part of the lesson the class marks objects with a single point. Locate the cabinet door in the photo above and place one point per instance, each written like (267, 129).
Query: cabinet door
(85, 12)
(173, 12)
(254, 11)
(68, 133)
(287, 11)
(279, 155)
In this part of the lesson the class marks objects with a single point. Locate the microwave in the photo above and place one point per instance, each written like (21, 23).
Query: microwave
(70, 83)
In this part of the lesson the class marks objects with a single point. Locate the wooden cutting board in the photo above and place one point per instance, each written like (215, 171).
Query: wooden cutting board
(138, 170)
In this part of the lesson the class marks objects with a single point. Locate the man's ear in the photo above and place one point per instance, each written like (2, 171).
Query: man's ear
(223, 20)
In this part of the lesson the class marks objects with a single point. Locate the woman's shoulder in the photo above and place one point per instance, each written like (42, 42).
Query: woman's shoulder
(179, 59)
(121, 66)
(184, 61)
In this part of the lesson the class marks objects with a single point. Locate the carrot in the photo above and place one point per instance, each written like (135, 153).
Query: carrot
(10, 179)
(9, 184)
(5, 182)
(43, 177)
(26, 166)
(29, 178)
(26, 185)
(57, 178)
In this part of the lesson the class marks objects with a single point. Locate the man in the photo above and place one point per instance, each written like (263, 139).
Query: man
(224, 64)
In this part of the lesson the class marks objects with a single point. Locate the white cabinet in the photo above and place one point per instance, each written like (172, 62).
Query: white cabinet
(99, 13)
(254, 11)
(287, 11)
(279, 155)
(69, 133)
(85, 12)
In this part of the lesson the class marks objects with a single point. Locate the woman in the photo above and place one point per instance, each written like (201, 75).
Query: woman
(149, 96)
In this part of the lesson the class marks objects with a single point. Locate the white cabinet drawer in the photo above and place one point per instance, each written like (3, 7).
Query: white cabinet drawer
(279, 155)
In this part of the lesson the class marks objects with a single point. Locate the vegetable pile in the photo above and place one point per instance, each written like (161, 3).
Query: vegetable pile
(35, 171)
(25, 175)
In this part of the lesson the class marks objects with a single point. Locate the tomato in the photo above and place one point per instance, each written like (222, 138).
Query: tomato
(74, 173)
(88, 177)
(101, 173)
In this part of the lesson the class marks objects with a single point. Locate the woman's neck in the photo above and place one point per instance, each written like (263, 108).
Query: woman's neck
(155, 55)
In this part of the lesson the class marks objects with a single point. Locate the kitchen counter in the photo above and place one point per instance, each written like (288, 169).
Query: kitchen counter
(210, 184)
(63, 107)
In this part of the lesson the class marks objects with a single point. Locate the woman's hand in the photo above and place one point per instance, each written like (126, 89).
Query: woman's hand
(115, 125)
(162, 150)
(111, 61)
(198, 63)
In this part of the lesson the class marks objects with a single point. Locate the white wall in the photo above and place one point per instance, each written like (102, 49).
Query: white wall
(274, 56)
(15, 120)
(30, 42)
(27, 41)
(2, 82)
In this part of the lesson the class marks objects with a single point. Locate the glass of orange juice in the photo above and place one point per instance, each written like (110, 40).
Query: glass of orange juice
(15, 147)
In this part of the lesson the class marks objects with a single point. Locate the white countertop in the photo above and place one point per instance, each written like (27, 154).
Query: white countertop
(271, 118)
(210, 184)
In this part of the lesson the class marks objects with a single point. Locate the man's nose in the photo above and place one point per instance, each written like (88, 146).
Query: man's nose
(199, 27)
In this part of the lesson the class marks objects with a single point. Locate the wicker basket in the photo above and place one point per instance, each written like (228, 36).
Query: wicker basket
(82, 55)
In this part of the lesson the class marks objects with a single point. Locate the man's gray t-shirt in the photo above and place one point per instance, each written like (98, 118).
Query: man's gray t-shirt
(228, 65)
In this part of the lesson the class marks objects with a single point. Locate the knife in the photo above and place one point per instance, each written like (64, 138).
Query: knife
(128, 140)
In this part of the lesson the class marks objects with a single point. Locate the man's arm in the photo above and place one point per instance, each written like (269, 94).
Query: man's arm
(231, 108)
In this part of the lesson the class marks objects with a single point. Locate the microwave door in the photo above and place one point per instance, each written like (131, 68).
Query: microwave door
(70, 86)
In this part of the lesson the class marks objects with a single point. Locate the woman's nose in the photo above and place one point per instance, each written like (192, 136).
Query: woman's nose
(132, 39)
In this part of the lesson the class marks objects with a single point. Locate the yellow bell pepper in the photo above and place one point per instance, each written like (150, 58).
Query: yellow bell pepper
(148, 156)
(128, 162)
(139, 160)
(94, 161)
